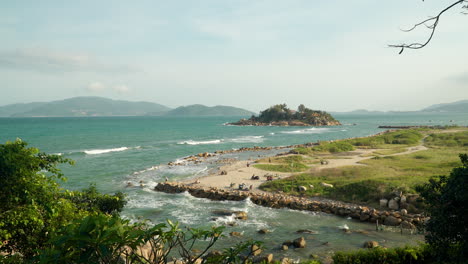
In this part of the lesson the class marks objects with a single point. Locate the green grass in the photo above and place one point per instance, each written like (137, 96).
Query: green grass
(400, 137)
(333, 147)
(392, 140)
(459, 139)
(291, 167)
(389, 151)
(377, 179)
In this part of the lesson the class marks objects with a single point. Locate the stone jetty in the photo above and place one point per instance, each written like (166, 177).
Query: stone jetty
(275, 200)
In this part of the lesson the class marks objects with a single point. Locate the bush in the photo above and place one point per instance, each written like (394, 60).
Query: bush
(405, 255)
(333, 147)
(302, 151)
(91, 200)
(447, 199)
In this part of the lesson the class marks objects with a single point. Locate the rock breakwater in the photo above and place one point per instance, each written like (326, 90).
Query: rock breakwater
(274, 200)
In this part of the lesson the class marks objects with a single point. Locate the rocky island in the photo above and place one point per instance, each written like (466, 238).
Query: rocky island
(281, 115)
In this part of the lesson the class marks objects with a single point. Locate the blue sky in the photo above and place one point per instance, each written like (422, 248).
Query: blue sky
(330, 55)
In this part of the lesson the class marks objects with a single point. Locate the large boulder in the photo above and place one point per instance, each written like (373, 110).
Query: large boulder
(407, 225)
(383, 202)
(371, 244)
(393, 204)
(392, 221)
(299, 242)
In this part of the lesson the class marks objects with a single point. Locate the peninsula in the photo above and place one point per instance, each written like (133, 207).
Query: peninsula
(281, 115)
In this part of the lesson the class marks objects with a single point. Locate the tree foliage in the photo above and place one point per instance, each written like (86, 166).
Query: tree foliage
(281, 112)
(33, 206)
(447, 199)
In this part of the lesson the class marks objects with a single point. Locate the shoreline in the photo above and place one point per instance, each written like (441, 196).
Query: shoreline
(235, 181)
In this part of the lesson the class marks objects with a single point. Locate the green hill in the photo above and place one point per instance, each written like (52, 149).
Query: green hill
(459, 106)
(9, 110)
(83, 106)
(201, 110)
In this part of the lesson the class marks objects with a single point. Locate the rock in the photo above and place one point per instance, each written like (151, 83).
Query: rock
(403, 199)
(383, 202)
(364, 217)
(236, 234)
(256, 250)
(306, 231)
(403, 212)
(393, 204)
(299, 242)
(284, 247)
(286, 261)
(268, 258)
(392, 221)
(241, 215)
(371, 244)
(287, 243)
(311, 186)
(301, 188)
(326, 185)
(407, 225)
(223, 172)
(263, 231)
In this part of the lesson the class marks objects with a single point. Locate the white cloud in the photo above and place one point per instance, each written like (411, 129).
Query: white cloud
(121, 88)
(45, 60)
(96, 87)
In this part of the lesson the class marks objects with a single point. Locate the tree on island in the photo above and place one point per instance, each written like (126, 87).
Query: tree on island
(431, 23)
(280, 114)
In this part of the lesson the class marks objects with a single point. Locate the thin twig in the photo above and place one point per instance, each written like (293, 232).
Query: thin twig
(432, 26)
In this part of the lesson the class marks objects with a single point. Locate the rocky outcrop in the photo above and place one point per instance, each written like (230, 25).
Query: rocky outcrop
(249, 122)
(274, 200)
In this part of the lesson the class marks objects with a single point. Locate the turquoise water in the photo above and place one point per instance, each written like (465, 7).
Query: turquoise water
(111, 151)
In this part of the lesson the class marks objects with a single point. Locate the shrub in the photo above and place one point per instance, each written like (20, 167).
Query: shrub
(333, 147)
(405, 255)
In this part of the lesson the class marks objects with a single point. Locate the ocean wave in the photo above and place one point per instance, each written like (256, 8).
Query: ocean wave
(205, 142)
(312, 130)
(145, 170)
(102, 151)
(248, 139)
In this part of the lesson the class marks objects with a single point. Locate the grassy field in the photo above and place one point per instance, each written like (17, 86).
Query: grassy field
(379, 175)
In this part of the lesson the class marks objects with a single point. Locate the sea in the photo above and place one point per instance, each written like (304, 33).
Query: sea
(112, 152)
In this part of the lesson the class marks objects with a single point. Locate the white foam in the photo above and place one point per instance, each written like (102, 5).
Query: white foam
(102, 151)
(248, 139)
(312, 130)
(145, 170)
(206, 142)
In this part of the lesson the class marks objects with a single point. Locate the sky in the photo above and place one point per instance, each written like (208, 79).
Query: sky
(329, 55)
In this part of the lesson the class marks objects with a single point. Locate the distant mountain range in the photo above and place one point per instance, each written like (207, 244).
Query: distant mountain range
(459, 106)
(201, 110)
(455, 107)
(98, 106)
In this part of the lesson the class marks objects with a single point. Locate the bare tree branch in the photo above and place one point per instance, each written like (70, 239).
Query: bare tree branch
(430, 23)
